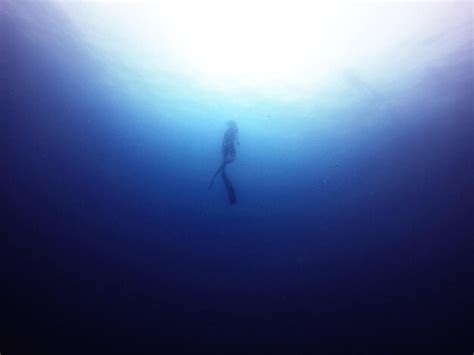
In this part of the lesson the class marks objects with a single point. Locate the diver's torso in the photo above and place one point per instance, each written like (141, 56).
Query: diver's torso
(228, 144)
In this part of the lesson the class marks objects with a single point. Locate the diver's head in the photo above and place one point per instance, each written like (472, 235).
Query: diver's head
(231, 124)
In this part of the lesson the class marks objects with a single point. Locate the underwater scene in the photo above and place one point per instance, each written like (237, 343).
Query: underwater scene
(244, 174)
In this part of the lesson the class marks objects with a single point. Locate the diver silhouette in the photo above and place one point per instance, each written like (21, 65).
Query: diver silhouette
(231, 137)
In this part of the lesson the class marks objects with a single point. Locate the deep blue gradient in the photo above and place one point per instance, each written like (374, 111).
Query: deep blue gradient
(352, 233)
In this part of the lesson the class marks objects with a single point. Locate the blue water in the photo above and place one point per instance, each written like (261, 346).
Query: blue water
(353, 227)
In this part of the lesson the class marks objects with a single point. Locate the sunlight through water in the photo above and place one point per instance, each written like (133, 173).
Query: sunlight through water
(288, 48)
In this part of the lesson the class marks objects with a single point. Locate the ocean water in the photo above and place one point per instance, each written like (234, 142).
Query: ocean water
(354, 180)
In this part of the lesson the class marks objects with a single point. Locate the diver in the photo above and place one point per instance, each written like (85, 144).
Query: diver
(231, 138)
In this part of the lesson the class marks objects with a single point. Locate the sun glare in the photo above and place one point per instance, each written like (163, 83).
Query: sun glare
(259, 43)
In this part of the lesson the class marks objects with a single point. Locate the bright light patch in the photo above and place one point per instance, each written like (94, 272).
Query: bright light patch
(257, 44)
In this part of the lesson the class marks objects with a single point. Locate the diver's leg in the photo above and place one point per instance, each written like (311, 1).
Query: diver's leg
(217, 173)
(229, 188)
(228, 157)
